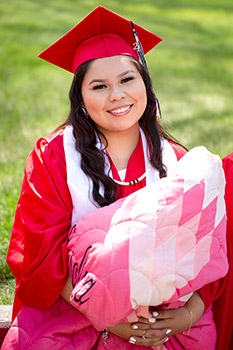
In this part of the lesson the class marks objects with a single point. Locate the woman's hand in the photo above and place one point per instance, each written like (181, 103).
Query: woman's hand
(135, 333)
(155, 330)
(168, 322)
(164, 323)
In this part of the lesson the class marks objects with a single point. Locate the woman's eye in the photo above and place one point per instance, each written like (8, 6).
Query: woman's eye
(125, 80)
(99, 87)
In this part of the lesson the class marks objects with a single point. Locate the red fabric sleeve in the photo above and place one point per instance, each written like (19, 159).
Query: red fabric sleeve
(223, 307)
(37, 252)
(212, 292)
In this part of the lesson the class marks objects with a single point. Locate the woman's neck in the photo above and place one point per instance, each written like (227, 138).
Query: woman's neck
(121, 146)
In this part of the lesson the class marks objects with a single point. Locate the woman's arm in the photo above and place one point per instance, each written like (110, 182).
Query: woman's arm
(67, 290)
(37, 252)
(159, 326)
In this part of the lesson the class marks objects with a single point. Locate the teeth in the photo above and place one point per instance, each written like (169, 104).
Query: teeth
(121, 110)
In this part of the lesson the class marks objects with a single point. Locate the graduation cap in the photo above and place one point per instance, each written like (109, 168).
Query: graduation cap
(101, 34)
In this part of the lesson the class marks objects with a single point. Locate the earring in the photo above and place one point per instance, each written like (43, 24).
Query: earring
(84, 111)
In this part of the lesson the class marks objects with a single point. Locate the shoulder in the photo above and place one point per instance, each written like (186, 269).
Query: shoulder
(49, 147)
(179, 150)
(48, 152)
(228, 162)
(53, 141)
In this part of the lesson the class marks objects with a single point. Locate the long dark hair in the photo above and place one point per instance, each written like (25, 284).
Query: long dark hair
(87, 135)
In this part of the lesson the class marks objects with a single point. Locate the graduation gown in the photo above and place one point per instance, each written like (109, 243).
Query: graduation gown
(37, 252)
(223, 306)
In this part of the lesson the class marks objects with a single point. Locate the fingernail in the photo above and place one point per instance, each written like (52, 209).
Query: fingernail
(134, 326)
(168, 331)
(152, 320)
(166, 340)
(155, 313)
(132, 340)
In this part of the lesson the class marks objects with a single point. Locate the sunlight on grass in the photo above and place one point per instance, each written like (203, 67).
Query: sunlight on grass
(191, 71)
(7, 291)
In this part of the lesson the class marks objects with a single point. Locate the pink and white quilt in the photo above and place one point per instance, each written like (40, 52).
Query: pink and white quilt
(155, 246)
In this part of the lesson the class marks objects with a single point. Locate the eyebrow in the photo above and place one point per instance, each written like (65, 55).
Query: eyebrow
(119, 76)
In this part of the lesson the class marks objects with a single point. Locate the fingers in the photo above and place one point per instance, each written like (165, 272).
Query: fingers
(162, 324)
(151, 332)
(149, 320)
(141, 326)
(164, 314)
(157, 324)
(150, 337)
(148, 341)
(143, 323)
(157, 333)
(155, 315)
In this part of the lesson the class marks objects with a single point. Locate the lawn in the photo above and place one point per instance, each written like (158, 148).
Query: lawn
(191, 71)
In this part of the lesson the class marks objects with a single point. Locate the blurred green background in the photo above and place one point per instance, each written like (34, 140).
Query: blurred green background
(191, 72)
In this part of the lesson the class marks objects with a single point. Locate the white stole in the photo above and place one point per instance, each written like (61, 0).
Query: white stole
(80, 185)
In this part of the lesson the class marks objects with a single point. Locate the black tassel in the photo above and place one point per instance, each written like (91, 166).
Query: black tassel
(138, 47)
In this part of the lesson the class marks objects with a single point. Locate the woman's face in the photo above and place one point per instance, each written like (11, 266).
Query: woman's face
(114, 94)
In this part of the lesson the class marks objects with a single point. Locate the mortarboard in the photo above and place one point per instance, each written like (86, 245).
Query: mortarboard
(102, 33)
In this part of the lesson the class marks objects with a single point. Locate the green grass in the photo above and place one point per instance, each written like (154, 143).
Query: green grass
(191, 71)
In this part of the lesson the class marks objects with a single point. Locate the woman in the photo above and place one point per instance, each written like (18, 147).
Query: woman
(113, 118)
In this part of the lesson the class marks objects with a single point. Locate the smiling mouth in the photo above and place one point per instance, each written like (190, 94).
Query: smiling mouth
(121, 111)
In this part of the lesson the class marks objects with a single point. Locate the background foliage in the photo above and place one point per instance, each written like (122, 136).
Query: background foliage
(191, 71)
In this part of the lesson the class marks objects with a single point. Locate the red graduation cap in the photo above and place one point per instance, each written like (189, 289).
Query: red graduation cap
(102, 33)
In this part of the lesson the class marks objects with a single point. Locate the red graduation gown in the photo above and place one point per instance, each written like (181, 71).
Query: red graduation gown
(223, 307)
(37, 252)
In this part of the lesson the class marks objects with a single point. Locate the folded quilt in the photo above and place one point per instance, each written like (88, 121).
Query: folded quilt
(156, 246)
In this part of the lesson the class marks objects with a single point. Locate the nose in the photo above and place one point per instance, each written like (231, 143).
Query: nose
(116, 93)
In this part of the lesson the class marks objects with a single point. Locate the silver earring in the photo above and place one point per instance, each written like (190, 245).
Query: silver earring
(83, 109)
